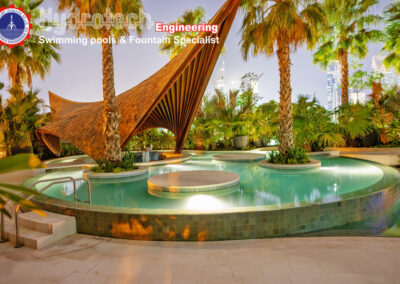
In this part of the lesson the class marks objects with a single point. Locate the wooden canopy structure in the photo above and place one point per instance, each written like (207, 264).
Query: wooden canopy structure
(168, 99)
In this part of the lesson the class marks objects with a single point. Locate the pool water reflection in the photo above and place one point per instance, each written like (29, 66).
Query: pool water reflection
(338, 178)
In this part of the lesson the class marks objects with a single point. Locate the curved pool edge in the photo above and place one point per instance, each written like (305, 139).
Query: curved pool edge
(311, 164)
(195, 226)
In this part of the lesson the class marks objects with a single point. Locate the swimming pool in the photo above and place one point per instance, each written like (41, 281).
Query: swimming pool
(339, 181)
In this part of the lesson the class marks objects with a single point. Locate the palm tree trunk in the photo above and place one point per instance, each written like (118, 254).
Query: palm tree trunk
(110, 112)
(286, 137)
(344, 62)
(16, 84)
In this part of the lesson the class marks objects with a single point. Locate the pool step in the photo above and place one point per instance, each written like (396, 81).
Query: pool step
(37, 231)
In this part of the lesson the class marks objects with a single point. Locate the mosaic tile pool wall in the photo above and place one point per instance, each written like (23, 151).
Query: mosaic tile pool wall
(230, 226)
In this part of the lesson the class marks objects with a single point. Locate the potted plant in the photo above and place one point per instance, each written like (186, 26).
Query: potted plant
(240, 139)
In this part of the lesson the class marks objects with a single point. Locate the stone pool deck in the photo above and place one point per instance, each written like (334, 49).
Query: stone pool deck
(87, 259)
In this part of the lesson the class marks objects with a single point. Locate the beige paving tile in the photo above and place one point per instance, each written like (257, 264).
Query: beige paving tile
(123, 267)
(137, 280)
(84, 278)
(246, 270)
(293, 260)
(224, 259)
(335, 266)
(266, 258)
(220, 280)
(275, 268)
(182, 281)
(394, 277)
(186, 271)
(314, 278)
(158, 271)
(217, 271)
(267, 279)
(309, 267)
(364, 278)
(366, 266)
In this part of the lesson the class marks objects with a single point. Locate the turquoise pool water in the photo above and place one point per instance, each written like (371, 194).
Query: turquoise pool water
(338, 178)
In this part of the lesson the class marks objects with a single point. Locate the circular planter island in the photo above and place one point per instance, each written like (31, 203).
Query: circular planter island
(312, 164)
(193, 181)
(137, 172)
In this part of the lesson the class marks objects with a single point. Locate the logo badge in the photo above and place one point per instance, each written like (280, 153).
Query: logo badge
(14, 26)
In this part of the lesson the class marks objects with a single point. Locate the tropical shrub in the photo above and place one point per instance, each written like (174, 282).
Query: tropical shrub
(314, 127)
(157, 139)
(292, 156)
(19, 119)
(127, 163)
(68, 149)
(353, 121)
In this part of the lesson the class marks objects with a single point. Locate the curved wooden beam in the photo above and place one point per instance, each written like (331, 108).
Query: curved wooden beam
(168, 99)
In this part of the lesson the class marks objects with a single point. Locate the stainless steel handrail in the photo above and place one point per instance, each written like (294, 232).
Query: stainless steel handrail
(54, 181)
(3, 229)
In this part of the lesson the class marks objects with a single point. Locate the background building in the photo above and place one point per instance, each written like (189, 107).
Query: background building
(333, 87)
(219, 81)
(390, 76)
(358, 97)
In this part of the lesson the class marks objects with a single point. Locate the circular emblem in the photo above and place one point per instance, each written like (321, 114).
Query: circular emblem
(14, 26)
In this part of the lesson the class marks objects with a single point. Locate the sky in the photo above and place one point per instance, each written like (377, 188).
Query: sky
(79, 76)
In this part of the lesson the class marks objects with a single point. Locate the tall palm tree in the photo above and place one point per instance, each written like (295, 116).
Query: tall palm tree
(106, 33)
(348, 34)
(189, 17)
(32, 58)
(281, 26)
(392, 32)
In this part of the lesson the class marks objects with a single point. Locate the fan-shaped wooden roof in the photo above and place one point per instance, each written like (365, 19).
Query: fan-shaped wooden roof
(168, 99)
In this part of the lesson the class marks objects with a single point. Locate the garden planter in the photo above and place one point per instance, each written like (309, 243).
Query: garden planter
(240, 141)
(137, 172)
(259, 143)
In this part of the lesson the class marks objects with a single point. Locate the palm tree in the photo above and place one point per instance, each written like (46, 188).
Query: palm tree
(32, 58)
(392, 32)
(348, 34)
(281, 27)
(106, 33)
(189, 17)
